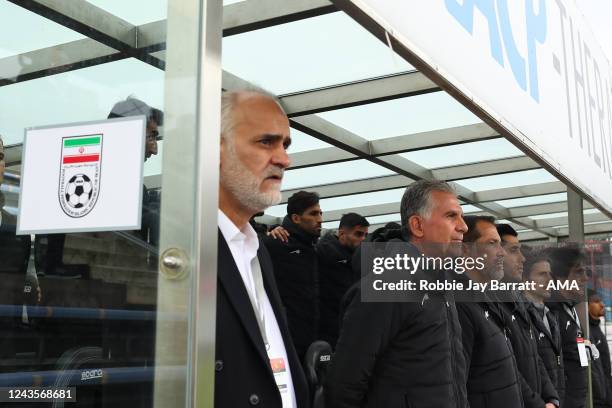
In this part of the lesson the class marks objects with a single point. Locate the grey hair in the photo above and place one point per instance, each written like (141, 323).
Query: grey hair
(230, 99)
(417, 199)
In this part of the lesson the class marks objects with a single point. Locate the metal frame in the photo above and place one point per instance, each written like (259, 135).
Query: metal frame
(110, 38)
(117, 39)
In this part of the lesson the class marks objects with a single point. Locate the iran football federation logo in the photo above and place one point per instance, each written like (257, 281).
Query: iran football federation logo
(79, 182)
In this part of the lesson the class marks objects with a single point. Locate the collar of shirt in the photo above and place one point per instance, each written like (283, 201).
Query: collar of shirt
(541, 308)
(247, 237)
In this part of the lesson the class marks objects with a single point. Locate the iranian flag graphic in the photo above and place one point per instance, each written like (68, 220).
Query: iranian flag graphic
(84, 149)
(79, 181)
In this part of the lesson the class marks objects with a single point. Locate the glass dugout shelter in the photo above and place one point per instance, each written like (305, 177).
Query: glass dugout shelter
(128, 319)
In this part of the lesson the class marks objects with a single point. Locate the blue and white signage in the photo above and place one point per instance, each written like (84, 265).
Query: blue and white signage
(531, 65)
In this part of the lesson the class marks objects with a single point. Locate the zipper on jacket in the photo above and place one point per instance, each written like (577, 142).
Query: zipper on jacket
(452, 351)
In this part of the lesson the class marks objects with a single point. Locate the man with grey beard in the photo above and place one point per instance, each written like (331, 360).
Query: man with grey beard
(256, 362)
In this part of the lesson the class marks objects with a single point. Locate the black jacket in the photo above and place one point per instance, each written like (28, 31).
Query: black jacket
(575, 374)
(296, 273)
(549, 347)
(336, 276)
(493, 377)
(600, 368)
(14, 255)
(243, 376)
(398, 354)
(536, 387)
(14, 249)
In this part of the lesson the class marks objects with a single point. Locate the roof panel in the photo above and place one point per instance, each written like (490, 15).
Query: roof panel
(301, 142)
(519, 178)
(383, 219)
(541, 199)
(77, 96)
(562, 214)
(463, 153)
(307, 54)
(404, 116)
(332, 173)
(137, 12)
(14, 39)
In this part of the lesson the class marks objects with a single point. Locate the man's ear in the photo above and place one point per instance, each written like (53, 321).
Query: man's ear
(415, 225)
(295, 218)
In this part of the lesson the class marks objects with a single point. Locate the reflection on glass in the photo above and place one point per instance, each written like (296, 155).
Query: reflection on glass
(16, 19)
(80, 309)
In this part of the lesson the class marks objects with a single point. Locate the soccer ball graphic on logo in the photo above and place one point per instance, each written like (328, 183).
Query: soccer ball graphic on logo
(78, 191)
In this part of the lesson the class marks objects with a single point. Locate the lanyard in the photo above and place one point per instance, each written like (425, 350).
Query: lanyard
(574, 316)
(258, 298)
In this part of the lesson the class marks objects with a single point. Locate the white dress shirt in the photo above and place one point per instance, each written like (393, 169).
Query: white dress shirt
(243, 246)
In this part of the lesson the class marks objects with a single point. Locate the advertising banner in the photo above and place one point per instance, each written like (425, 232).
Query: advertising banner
(531, 66)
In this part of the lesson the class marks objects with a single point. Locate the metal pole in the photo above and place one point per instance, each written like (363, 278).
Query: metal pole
(575, 219)
(185, 346)
(204, 308)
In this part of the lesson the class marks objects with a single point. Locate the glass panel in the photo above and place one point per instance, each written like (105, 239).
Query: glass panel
(455, 155)
(541, 199)
(383, 219)
(403, 116)
(468, 208)
(332, 173)
(81, 95)
(301, 142)
(136, 12)
(15, 19)
(316, 52)
(519, 178)
(562, 214)
(82, 309)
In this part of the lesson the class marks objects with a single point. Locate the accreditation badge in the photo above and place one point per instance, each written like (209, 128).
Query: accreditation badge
(281, 376)
(582, 352)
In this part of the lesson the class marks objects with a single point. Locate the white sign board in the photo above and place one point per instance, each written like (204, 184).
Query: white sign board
(533, 66)
(82, 177)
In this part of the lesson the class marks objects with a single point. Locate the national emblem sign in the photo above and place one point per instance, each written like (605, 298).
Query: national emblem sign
(79, 181)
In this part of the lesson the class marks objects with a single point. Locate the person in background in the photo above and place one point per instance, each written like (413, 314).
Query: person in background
(601, 379)
(536, 386)
(493, 378)
(14, 256)
(335, 253)
(296, 267)
(537, 269)
(150, 199)
(567, 266)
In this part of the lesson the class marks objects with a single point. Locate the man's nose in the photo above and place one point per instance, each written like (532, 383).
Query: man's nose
(281, 158)
(462, 226)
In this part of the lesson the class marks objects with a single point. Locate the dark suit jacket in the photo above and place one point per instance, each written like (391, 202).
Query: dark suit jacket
(14, 249)
(243, 373)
